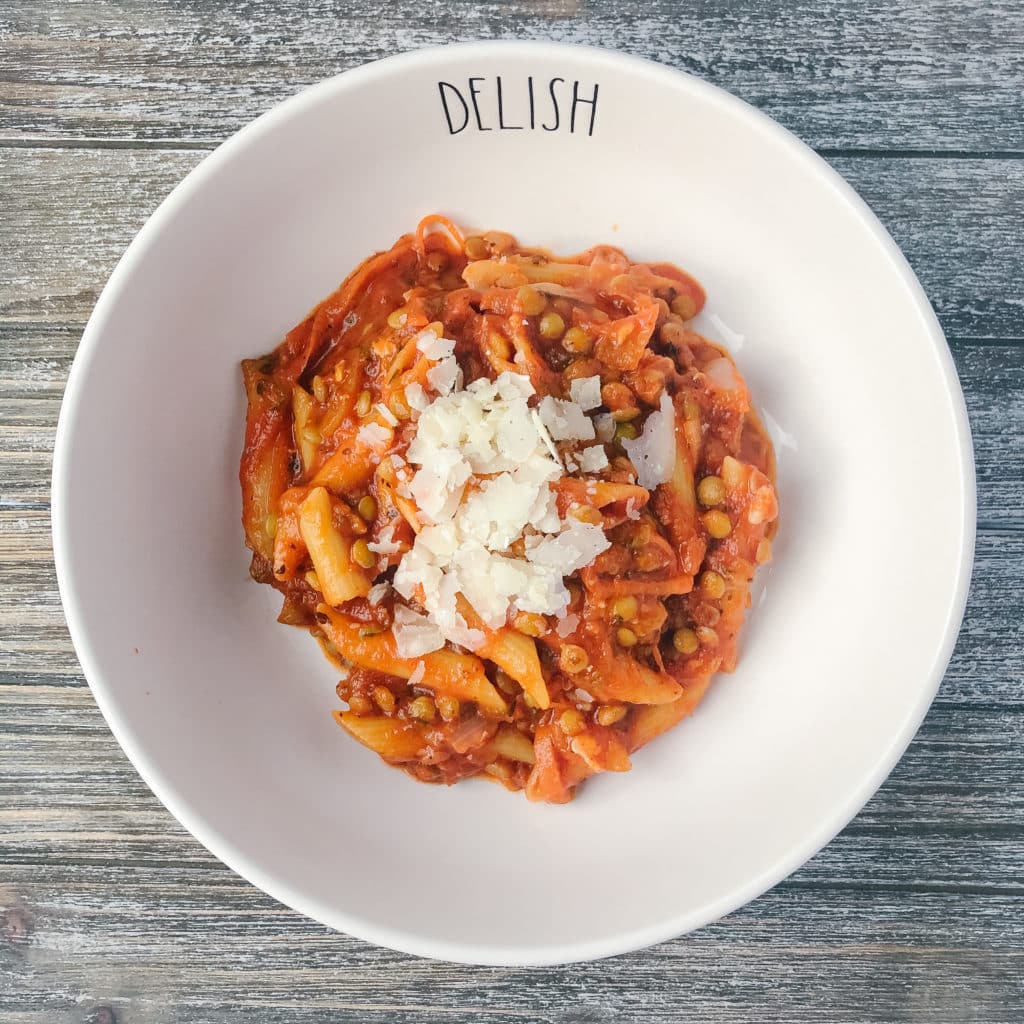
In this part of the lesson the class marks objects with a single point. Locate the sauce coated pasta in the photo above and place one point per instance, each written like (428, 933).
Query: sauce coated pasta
(517, 499)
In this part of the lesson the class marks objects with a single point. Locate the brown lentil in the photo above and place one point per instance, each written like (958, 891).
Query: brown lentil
(531, 623)
(629, 413)
(551, 326)
(531, 301)
(609, 714)
(449, 707)
(367, 507)
(712, 584)
(499, 241)
(505, 682)
(626, 637)
(616, 395)
(571, 722)
(580, 368)
(572, 658)
(706, 614)
(707, 636)
(711, 491)
(685, 641)
(362, 555)
(360, 704)
(717, 524)
(384, 699)
(422, 708)
(577, 341)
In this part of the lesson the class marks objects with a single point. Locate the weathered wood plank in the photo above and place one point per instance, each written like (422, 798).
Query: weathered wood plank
(110, 912)
(843, 74)
(69, 214)
(215, 952)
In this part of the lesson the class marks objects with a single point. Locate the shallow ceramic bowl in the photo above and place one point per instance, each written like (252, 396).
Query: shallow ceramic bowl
(226, 714)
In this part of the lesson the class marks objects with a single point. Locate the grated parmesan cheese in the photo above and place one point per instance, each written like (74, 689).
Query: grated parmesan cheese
(385, 544)
(484, 464)
(416, 397)
(593, 459)
(374, 436)
(567, 626)
(653, 453)
(386, 414)
(586, 392)
(604, 427)
(565, 421)
(434, 347)
(415, 635)
(446, 376)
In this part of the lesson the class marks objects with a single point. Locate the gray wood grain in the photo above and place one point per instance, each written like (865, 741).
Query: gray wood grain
(109, 912)
(843, 74)
(958, 959)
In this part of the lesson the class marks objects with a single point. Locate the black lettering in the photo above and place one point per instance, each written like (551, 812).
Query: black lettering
(554, 103)
(473, 90)
(452, 130)
(529, 86)
(577, 101)
(501, 114)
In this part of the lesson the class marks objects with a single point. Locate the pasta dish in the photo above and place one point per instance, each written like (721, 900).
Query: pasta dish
(517, 499)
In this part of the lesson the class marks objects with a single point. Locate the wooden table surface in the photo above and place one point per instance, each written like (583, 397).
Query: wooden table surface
(110, 912)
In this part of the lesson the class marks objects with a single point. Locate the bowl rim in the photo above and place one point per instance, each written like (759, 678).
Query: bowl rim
(496, 954)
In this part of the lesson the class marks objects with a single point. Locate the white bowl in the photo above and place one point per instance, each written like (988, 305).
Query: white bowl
(226, 714)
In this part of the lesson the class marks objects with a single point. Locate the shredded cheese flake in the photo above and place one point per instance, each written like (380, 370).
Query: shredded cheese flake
(484, 465)
(653, 453)
(586, 392)
(593, 459)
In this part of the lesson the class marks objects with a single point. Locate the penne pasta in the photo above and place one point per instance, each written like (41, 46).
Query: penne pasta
(517, 499)
(339, 577)
(392, 739)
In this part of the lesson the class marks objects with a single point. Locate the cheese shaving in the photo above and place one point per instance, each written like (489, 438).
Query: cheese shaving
(565, 421)
(586, 392)
(484, 465)
(415, 635)
(386, 414)
(593, 459)
(416, 397)
(434, 347)
(374, 436)
(385, 544)
(604, 427)
(654, 451)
